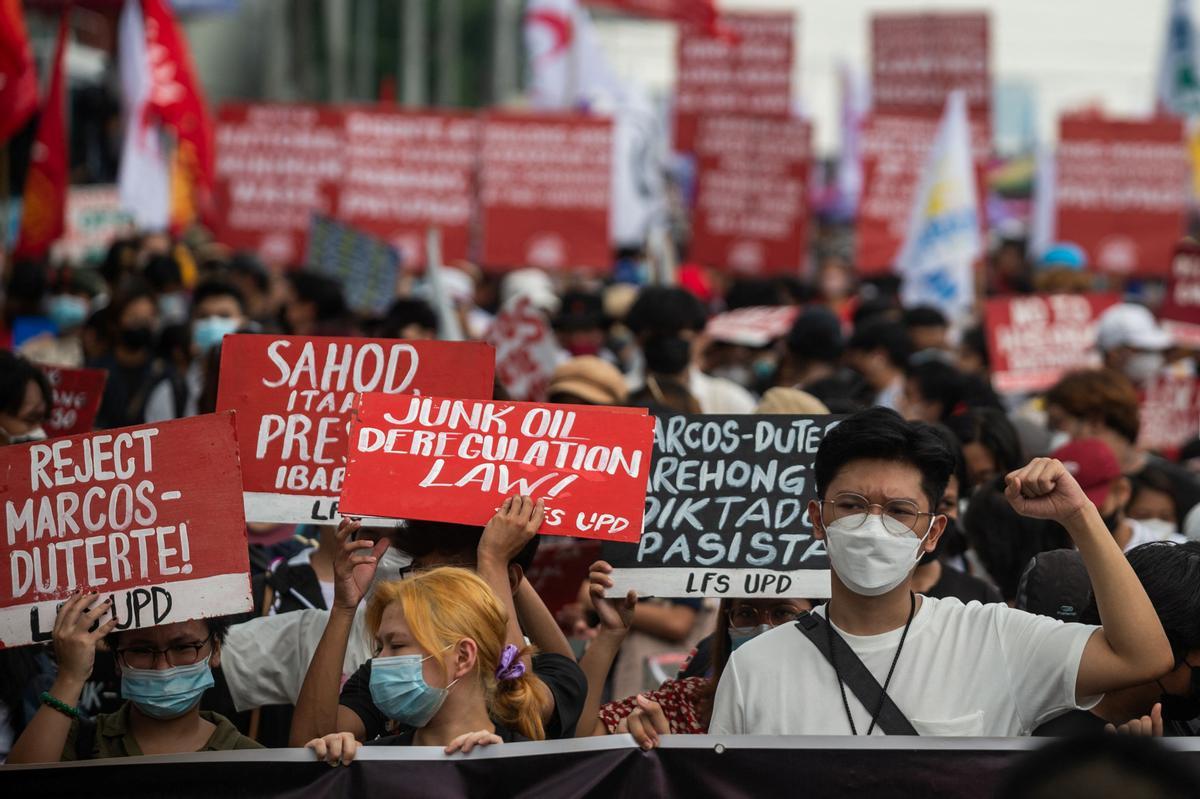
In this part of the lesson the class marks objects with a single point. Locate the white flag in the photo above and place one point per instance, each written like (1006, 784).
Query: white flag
(1179, 68)
(144, 179)
(937, 260)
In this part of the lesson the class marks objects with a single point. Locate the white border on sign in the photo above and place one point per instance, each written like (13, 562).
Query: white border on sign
(672, 581)
(299, 509)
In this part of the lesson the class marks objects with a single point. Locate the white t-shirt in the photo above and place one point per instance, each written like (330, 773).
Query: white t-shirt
(969, 669)
(719, 395)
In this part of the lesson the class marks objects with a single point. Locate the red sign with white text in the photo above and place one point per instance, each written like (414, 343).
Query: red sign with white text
(387, 172)
(1121, 191)
(751, 214)
(1180, 310)
(1033, 340)
(545, 183)
(918, 59)
(148, 515)
(526, 351)
(1169, 413)
(454, 460)
(294, 396)
(77, 394)
(748, 72)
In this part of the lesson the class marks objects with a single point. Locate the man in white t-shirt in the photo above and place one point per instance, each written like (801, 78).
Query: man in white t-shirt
(951, 669)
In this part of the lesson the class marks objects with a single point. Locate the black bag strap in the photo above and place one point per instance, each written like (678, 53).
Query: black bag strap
(854, 674)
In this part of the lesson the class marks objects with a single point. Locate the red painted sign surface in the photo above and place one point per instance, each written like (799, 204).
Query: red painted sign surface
(918, 59)
(77, 394)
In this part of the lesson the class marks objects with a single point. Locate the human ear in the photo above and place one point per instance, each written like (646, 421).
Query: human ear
(814, 516)
(466, 656)
(214, 660)
(936, 528)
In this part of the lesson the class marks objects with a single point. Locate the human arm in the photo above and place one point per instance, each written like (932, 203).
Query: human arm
(615, 618)
(317, 710)
(510, 529)
(1130, 647)
(75, 642)
(537, 622)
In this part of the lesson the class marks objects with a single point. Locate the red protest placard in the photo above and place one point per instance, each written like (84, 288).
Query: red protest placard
(751, 214)
(526, 350)
(1180, 311)
(294, 396)
(1034, 340)
(1121, 190)
(457, 460)
(77, 394)
(150, 515)
(1169, 413)
(752, 327)
(545, 182)
(918, 59)
(748, 72)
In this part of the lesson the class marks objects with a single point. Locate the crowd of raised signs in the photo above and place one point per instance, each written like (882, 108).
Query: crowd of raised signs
(766, 507)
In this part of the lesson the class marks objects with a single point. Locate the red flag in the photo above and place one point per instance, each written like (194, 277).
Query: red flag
(18, 78)
(45, 202)
(693, 12)
(176, 101)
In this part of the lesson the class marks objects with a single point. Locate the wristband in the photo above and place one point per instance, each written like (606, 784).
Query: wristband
(59, 705)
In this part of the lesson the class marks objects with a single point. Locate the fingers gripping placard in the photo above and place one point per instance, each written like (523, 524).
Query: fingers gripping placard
(151, 515)
(727, 511)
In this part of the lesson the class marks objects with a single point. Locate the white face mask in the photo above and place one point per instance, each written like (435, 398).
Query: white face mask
(1160, 529)
(869, 560)
(1142, 367)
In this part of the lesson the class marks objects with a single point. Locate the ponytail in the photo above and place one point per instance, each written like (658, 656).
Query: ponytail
(517, 702)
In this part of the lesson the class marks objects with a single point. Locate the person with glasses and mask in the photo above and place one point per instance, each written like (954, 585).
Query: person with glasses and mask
(945, 668)
(164, 673)
(682, 706)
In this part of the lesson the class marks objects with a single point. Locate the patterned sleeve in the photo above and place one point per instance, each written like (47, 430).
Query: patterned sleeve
(678, 698)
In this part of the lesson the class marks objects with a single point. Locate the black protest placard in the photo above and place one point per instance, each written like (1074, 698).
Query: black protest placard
(727, 510)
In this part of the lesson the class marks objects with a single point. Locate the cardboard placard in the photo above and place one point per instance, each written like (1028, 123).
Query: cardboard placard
(747, 73)
(917, 59)
(294, 396)
(1180, 310)
(727, 511)
(1034, 340)
(526, 350)
(545, 183)
(1169, 413)
(366, 267)
(751, 214)
(456, 460)
(77, 394)
(94, 218)
(149, 515)
(752, 327)
(1121, 192)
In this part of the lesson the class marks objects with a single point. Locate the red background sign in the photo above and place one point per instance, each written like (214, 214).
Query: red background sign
(150, 514)
(77, 395)
(1034, 340)
(917, 59)
(747, 73)
(751, 212)
(1169, 413)
(294, 396)
(1121, 191)
(1180, 311)
(545, 184)
(457, 460)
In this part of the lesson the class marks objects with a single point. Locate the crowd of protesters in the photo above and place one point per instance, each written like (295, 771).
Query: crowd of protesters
(1002, 565)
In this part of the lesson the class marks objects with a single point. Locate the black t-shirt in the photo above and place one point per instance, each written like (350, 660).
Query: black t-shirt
(561, 675)
(1073, 722)
(964, 587)
(405, 737)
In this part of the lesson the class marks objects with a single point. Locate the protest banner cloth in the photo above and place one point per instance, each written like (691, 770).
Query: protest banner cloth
(294, 395)
(94, 219)
(1121, 191)
(752, 327)
(727, 511)
(456, 460)
(1180, 310)
(747, 72)
(1169, 413)
(366, 267)
(387, 172)
(545, 183)
(918, 59)
(76, 399)
(148, 515)
(1034, 340)
(751, 214)
(526, 350)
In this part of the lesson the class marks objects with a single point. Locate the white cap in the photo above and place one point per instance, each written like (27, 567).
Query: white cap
(1130, 325)
(533, 283)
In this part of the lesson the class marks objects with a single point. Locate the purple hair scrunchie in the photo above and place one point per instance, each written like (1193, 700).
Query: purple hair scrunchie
(511, 667)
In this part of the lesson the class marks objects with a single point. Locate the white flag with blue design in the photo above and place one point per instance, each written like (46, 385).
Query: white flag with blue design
(937, 260)
(1179, 68)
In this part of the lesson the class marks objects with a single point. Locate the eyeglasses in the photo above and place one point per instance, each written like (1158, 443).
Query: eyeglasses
(900, 516)
(146, 657)
(749, 616)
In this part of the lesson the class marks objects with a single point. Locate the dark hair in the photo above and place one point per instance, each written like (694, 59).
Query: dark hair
(880, 334)
(881, 434)
(990, 428)
(1102, 395)
(816, 336)
(951, 443)
(665, 311)
(323, 292)
(122, 301)
(975, 340)
(247, 265)
(923, 316)
(217, 288)
(1189, 450)
(753, 292)
(1170, 573)
(16, 372)
(939, 382)
(845, 391)
(1154, 478)
(162, 272)
(405, 312)
(420, 538)
(218, 628)
(878, 308)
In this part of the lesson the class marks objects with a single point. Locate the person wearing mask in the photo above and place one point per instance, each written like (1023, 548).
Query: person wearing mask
(131, 364)
(990, 444)
(879, 351)
(668, 323)
(25, 400)
(1132, 342)
(443, 672)
(813, 356)
(1152, 503)
(68, 308)
(164, 672)
(947, 668)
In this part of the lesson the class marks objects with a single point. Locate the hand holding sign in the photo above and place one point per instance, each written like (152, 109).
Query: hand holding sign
(353, 568)
(513, 526)
(77, 629)
(616, 615)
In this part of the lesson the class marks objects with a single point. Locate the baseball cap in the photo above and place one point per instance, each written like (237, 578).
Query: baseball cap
(1063, 255)
(1130, 325)
(1093, 465)
(1055, 584)
(590, 379)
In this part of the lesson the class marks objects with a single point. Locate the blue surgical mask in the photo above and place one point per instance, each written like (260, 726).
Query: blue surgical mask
(207, 333)
(740, 635)
(398, 688)
(166, 693)
(173, 307)
(67, 311)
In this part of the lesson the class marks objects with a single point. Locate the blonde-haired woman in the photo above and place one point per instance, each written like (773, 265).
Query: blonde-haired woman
(442, 671)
